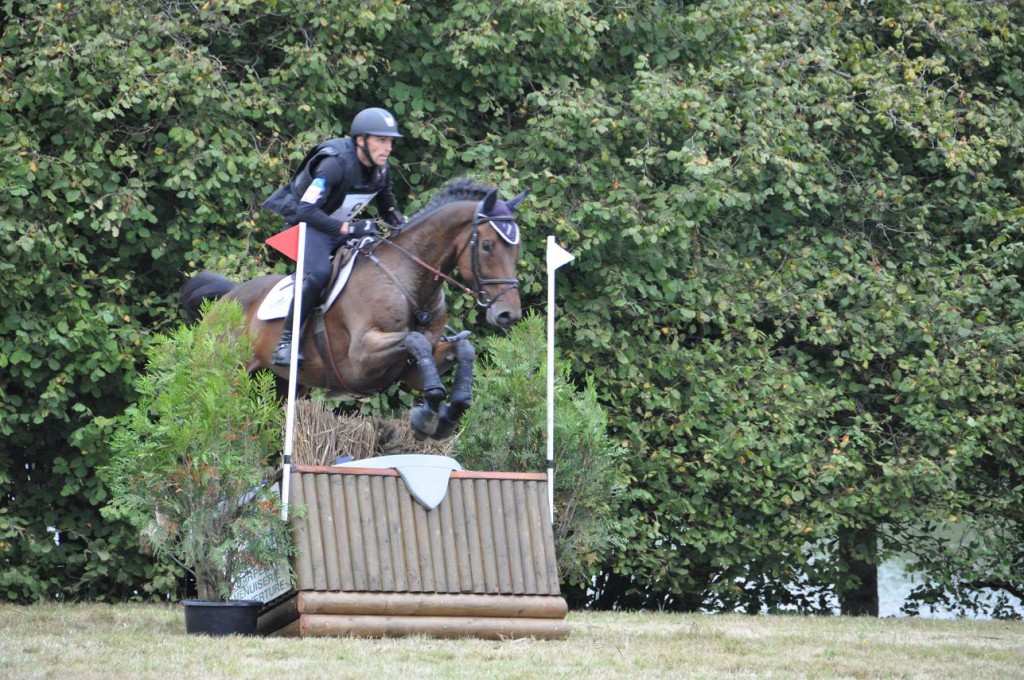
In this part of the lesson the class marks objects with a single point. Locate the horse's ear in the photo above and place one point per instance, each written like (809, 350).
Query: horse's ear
(489, 200)
(514, 203)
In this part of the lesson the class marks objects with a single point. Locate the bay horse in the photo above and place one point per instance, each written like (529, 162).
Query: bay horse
(389, 322)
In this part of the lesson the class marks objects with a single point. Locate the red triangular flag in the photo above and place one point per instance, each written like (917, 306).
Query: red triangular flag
(286, 242)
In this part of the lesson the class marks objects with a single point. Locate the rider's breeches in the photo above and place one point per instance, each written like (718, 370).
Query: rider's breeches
(317, 260)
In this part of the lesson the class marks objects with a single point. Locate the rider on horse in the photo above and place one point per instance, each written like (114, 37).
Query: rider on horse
(335, 181)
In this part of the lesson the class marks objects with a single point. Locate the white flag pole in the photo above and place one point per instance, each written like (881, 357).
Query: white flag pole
(293, 371)
(556, 257)
(312, 194)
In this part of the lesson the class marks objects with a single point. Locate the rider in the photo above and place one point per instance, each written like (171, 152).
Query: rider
(334, 182)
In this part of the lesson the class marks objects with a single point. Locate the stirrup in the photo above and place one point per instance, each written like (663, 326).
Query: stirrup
(282, 355)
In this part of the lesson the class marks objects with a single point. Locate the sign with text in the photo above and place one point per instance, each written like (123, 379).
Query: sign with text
(263, 584)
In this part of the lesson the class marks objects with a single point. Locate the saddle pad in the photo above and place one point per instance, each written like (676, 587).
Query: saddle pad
(275, 304)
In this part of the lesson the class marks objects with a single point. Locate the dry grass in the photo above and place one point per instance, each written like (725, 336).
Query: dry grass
(321, 436)
(104, 641)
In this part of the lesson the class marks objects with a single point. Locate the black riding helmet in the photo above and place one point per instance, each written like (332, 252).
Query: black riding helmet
(374, 122)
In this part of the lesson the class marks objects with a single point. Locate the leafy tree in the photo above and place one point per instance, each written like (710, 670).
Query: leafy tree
(818, 304)
(138, 140)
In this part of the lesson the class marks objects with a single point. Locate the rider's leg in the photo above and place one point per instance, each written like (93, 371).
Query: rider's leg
(310, 296)
(317, 262)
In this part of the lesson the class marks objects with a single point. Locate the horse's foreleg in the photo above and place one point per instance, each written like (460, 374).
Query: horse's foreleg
(462, 390)
(424, 417)
(462, 387)
(423, 354)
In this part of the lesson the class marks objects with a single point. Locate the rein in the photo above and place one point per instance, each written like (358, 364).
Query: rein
(438, 274)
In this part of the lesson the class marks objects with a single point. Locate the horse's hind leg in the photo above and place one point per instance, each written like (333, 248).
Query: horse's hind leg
(462, 390)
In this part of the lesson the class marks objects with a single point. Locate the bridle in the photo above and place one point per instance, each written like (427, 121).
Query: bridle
(480, 295)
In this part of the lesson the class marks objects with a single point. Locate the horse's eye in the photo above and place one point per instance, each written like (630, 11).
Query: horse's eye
(486, 245)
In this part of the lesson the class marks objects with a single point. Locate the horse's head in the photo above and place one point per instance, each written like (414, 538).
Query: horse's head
(488, 261)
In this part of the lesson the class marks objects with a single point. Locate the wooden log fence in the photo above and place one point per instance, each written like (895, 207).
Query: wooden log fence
(373, 562)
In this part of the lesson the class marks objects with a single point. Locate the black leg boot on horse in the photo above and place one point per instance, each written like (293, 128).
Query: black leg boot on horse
(282, 354)
(424, 416)
(462, 389)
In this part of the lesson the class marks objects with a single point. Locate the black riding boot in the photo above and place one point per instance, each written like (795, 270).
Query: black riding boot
(282, 354)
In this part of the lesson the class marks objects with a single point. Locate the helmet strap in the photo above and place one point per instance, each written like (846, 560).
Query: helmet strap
(365, 148)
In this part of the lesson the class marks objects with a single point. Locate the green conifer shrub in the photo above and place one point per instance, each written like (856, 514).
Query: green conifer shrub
(506, 430)
(194, 455)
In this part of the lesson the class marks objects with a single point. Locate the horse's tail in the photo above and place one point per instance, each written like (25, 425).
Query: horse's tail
(203, 286)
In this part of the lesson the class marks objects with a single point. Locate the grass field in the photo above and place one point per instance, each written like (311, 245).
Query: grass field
(127, 641)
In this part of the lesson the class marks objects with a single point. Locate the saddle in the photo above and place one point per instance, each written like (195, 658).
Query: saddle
(276, 302)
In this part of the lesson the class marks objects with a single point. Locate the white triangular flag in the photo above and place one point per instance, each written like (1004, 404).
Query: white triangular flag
(557, 255)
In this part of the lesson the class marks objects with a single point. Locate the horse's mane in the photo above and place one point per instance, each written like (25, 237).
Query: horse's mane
(460, 189)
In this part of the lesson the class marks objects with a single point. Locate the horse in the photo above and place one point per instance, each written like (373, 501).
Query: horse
(388, 324)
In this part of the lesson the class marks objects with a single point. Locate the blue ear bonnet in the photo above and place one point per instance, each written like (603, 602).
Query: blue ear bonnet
(503, 222)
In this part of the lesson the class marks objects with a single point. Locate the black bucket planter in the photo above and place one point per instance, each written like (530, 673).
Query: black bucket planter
(234, 617)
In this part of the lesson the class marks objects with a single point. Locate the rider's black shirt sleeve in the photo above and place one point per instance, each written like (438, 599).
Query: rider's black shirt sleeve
(333, 173)
(386, 202)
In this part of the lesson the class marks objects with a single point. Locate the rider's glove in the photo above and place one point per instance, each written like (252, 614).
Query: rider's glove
(395, 218)
(362, 228)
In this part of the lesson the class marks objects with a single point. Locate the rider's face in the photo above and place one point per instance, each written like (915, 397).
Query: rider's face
(379, 148)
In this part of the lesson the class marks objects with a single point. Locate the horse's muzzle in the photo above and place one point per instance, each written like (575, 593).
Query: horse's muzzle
(503, 315)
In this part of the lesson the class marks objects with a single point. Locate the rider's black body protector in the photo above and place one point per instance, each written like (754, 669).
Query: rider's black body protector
(337, 163)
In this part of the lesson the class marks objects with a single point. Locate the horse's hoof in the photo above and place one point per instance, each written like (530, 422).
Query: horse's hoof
(434, 396)
(445, 428)
(448, 419)
(423, 420)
